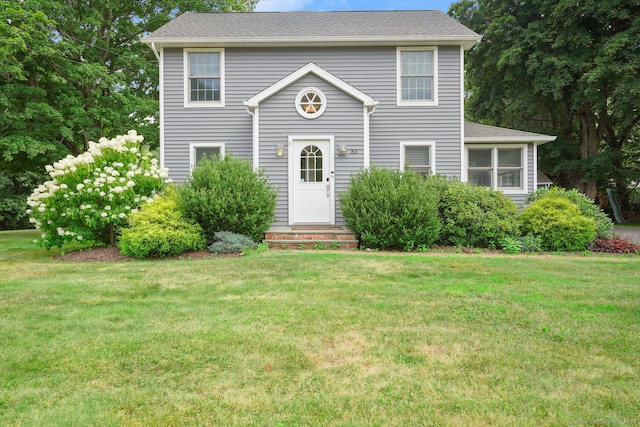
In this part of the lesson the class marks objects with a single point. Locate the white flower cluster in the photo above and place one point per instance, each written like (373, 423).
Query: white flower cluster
(92, 187)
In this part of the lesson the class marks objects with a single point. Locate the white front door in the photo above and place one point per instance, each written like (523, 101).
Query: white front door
(311, 193)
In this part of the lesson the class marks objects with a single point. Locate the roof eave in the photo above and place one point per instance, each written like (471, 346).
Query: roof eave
(538, 139)
(465, 41)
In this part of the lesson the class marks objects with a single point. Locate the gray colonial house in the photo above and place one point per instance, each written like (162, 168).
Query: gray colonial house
(314, 97)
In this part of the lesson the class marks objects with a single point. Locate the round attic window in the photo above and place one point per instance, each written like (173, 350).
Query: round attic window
(311, 103)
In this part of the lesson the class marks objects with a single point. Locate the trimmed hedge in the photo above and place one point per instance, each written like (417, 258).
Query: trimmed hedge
(391, 210)
(473, 216)
(587, 206)
(160, 230)
(227, 194)
(558, 224)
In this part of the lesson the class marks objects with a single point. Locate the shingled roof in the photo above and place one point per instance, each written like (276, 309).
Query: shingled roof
(313, 28)
(475, 132)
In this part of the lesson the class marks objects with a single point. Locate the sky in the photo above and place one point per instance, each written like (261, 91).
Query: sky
(289, 5)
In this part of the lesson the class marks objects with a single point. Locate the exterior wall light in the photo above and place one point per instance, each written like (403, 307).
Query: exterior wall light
(279, 151)
(343, 150)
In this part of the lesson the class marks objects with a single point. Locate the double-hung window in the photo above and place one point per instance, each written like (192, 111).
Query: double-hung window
(501, 168)
(418, 157)
(417, 76)
(204, 77)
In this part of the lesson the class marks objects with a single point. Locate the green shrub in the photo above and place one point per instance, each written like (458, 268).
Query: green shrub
(159, 229)
(587, 206)
(511, 245)
(558, 224)
(473, 216)
(389, 209)
(231, 243)
(530, 243)
(227, 194)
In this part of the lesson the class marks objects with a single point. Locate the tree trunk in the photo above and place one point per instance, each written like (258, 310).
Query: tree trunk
(589, 146)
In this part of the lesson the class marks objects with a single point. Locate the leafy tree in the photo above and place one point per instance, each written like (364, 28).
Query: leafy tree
(71, 71)
(563, 67)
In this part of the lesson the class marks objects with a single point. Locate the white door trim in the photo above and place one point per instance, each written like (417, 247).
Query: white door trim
(293, 157)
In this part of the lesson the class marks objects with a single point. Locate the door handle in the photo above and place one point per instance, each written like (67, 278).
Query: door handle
(328, 188)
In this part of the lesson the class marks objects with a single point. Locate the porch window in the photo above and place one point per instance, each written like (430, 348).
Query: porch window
(417, 76)
(510, 168)
(500, 168)
(204, 82)
(418, 157)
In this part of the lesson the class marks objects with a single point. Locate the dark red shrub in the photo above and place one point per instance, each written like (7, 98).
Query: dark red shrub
(615, 246)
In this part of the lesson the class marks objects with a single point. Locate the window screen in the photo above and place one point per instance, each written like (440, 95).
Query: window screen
(204, 76)
(417, 75)
(206, 152)
(418, 158)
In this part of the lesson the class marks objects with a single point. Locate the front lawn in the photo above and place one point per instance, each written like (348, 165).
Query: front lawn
(318, 338)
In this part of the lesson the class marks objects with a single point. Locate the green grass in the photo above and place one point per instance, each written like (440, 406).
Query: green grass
(318, 338)
(633, 225)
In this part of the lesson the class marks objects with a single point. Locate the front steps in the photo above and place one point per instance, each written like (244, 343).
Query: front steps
(310, 238)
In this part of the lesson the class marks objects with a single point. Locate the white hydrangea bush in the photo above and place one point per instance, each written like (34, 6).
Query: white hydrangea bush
(91, 195)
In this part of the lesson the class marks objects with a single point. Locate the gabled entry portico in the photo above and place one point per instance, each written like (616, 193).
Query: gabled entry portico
(302, 126)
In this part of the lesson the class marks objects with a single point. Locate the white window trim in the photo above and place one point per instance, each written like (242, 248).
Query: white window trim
(494, 166)
(203, 104)
(400, 101)
(194, 145)
(432, 153)
(323, 100)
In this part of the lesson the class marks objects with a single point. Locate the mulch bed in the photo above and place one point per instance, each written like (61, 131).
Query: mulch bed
(102, 254)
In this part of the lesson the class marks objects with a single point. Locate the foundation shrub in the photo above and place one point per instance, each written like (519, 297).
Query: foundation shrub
(473, 216)
(587, 206)
(228, 194)
(391, 210)
(159, 230)
(558, 224)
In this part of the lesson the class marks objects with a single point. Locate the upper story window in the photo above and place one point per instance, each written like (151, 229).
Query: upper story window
(417, 76)
(204, 77)
(311, 103)
(418, 157)
(500, 168)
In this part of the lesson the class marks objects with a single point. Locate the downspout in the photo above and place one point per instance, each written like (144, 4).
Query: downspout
(155, 51)
(161, 100)
(535, 166)
(253, 110)
(369, 109)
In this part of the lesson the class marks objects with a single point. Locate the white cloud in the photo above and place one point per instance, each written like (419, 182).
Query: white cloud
(281, 5)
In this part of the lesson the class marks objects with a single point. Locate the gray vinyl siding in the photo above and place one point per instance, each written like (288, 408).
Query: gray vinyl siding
(372, 70)
(342, 119)
(392, 124)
